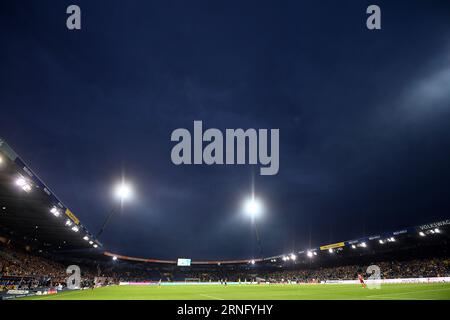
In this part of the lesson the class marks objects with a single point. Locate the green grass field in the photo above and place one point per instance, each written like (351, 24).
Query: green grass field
(439, 291)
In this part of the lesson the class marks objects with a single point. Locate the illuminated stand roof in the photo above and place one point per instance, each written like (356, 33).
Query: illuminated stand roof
(29, 210)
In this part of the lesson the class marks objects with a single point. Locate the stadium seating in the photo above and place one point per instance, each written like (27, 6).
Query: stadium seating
(25, 269)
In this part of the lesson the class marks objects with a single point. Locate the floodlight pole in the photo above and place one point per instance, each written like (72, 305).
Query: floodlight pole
(258, 239)
(108, 218)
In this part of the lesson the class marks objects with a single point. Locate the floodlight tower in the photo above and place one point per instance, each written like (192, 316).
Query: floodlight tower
(253, 207)
(123, 192)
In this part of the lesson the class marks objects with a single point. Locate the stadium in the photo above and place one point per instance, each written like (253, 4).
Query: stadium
(41, 241)
(257, 157)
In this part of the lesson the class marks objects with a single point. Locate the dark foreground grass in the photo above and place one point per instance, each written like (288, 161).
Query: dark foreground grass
(436, 291)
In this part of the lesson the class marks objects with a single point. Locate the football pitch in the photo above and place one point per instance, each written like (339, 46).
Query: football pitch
(435, 291)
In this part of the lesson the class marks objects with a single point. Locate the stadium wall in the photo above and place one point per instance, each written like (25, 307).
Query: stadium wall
(381, 281)
(384, 281)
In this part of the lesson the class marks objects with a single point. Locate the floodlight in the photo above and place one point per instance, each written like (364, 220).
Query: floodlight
(252, 261)
(363, 244)
(75, 229)
(422, 234)
(68, 223)
(381, 241)
(114, 258)
(95, 246)
(91, 242)
(55, 211)
(309, 254)
(86, 238)
(253, 207)
(21, 182)
(392, 239)
(353, 246)
(293, 257)
(330, 250)
(123, 191)
(437, 230)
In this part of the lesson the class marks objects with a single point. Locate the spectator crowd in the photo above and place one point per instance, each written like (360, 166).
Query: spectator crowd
(24, 269)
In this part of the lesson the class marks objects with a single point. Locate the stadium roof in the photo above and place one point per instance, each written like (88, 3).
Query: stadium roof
(422, 231)
(30, 211)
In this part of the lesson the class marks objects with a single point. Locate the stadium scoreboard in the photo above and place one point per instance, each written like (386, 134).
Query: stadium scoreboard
(183, 262)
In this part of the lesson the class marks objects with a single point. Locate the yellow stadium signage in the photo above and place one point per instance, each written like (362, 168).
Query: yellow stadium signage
(332, 246)
(72, 216)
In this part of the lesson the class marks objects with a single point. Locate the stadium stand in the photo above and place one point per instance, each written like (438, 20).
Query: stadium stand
(24, 269)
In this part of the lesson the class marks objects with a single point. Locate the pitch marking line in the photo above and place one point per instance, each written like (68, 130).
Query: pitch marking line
(408, 292)
(212, 297)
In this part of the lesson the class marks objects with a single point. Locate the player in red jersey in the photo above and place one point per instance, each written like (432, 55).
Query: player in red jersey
(361, 280)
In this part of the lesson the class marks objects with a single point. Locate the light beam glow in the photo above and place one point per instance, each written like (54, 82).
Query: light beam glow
(253, 207)
(123, 191)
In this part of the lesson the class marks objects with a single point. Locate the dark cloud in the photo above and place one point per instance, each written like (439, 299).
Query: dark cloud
(363, 116)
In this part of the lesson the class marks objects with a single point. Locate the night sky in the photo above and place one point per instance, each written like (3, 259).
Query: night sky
(364, 117)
